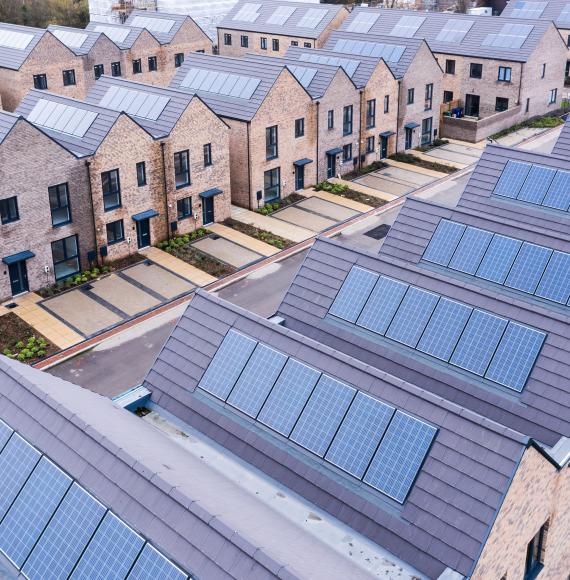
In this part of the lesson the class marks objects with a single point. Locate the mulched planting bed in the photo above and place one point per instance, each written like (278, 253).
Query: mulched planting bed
(374, 166)
(433, 145)
(269, 208)
(259, 234)
(343, 190)
(198, 259)
(18, 340)
(413, 160)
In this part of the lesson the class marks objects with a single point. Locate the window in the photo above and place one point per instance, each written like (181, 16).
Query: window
(543, 71)
(99, 70)
(115, 232)
(299, 128)
(141, 173)
(501, 104)
(9, 210)
(40, 82)
(263, 43)
(59, 204)
(371, 113)
(386, 103)
(184, 208)
(137, 66)
(207, 155)
(429, 96)
(65, 255)
(116, 69)
(427, 130)
(68, 77)
(227, 39)
(505, 74)
(272, 184)
(307, 45)
(275, 44)
(294, 43)
(111, 189)
(244, 41)
(271, 145)
(152, 64)
(475, 70)
(568, 41)
(370, 144)
(535, 553)
(552, 97)
(527, 106)
(182, 169)
(330, 119)
(347, 152)
(411, 96)
(447, 96)
(178, 59)
(450, 67)
(347, 120)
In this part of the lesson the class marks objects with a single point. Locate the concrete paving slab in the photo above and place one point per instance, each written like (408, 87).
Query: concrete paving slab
(339, 199)
(365, 189)
(327, 209)
(517, 137)
(82, 312)
(123, 295)
(406, 176)
(305, 219)
(243, 240)
(383, 184)
(158, 280)
(464, 149)
(227, 251)
(447, 155)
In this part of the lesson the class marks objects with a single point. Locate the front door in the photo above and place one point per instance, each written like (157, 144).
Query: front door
(384, 147)
(18, 277)
(299, 177)
(472, 105)
(143, 233)
(208, 210)
(331, 166)
(409, 135)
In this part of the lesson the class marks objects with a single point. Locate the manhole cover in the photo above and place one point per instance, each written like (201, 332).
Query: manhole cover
(378, 232)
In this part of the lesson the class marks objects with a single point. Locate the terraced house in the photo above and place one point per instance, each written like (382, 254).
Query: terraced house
(497, 71)
(271, 27)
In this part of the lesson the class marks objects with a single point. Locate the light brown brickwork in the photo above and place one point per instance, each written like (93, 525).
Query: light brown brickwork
(104, 52)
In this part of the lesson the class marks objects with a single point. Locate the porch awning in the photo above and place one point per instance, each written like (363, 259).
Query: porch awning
(387, 134)
(301, 162)
(149, 213)
(211, 192)
(334, 151)
(19, 257)
(411, 125)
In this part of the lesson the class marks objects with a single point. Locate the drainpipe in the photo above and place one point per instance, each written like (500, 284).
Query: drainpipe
(398, 116)
(318, 103)
(360, 132)
(165, 189)
(90, 190)
(249, 166)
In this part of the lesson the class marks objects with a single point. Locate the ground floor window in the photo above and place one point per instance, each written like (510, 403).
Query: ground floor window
(447, 96)
(184, 208)
(272, 184)
(115, 232)
(347, 152)
(65, 255)
(552, 96)
(370, 145)
(501, 104)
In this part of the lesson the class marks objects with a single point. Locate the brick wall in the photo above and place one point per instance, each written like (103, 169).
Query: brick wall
(254, 43)
(143, 47)
(104, 52)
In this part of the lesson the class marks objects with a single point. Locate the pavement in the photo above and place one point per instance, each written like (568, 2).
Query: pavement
(461, 155)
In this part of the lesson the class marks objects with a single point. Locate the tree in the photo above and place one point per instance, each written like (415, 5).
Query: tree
(42, 13)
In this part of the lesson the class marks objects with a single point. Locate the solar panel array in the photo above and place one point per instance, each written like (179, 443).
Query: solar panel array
(407, 26)
(302, 74)
(479, 342)
(312, 18)
(114, 33)
(535, 184)
(510, 36)
(50, 527)
(220, 83)
(564, 17)
(66, 119)
(70, 38)
(14, 39)
(349, 429)
(248, 12)
(363, 22)
(520, 265)
(281, 15)
(528, 9)
(138, 103)
(153, 24)
(389, 52)
(454, 30)
(347, 64)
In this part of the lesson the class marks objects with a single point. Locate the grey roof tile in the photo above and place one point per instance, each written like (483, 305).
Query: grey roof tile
(13, 57)
(7, 123)
(80, 41)
(168, 24)
(562, 145)
(123, 36)
(553, 10)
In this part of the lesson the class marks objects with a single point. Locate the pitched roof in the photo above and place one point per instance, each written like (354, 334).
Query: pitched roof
(301, 19)
(162, 25)
(446, 517)
(16, 44)
(541, 410)
(464, 34)
(555, 10)
(562, 145)
(123, 36)
(7, 122)
(78, 40)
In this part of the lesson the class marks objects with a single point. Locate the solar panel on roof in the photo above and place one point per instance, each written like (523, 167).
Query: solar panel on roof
(70, 38)
(66, 119)
(220, 83)
(14, 39)
(400, 456)
(153, 24)
(363, 22)
(510, 36)
(512, 179)
(353, 295)
(391, 53)
(31, 511)
(152, 565)
(444, 242)
(558, 195)
(304, 75)
(528, 9)
(5, 434)
(138, 103)
(498, 259)
(555, 282)
(67, 535)
(382, 305)
(536, 185)
(281, 15)
(407, 26)
(312, 18)
(454, 30)
(564, 17)
(115, 34)
(348, 65)
(470, 250)
(248, 13)
(528, 268)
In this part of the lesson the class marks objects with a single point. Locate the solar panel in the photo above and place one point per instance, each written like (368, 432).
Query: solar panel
(478, 342)
(400, 456)
(137, 103)
(348, 65)
(115, 34)
(512, 179)
(304, 75)
(17, 460)
(498, 259)
(153, 24)
(220, 83)
(555, 282)
(5, 434)
(537, 184)
(322, 415)
(257, 379)
(70, 38)
(353, 294)
(444, 242)
(444, 329)
(564, 17)
(312, 18)
(515, 356)
(510, 36)
(363, 22)
(288, 397)
(389, 52)
(382, 305)
(528, 10)
(13, 39)
(110, 553)
(412, 316)
(528, 268)
(248, 13)
(359, 434)
(62, 118)
(227, 364)
(454, 31)
(470, 250)
(558, 196)
(152, 565)
(66, 536)
(31, 510)
(281, 15)
(407, 26)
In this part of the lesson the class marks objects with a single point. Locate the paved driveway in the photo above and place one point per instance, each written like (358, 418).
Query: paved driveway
(457, 153)
(227, 251)
(395, 181)
(314, 214)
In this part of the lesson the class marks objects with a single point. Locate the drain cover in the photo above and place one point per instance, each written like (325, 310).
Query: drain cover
(11, 305)
(378, 232)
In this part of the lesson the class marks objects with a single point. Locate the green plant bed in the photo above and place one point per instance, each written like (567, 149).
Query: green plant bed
(536, 123)
(182, 240)
(374, 166)
(19, 341)
(435, 143)
(269, 208)
(345, 191)
(414, 160)
(259, 234)
(189, 254)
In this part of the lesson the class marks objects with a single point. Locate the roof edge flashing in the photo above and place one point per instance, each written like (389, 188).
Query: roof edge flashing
(560, 453)
(449, 574)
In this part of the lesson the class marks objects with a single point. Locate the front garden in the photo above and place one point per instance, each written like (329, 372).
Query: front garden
(374, 166)
(271, 207)
(259, 234)
(19, 341)
(415, 160)
(536, 123)
(343, 190)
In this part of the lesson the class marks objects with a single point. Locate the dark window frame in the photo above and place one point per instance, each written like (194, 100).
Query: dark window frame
(66, 257)
(386, 104)
(535, 551)
(552, 96)
(307, 45)
(182, 168)
(40, 82)
(207, 150)
(347, 152)
(347, 120)
(263, 43)
(115, 239)
(275, 44)
(501, 104)
(475, 70)
(244, 41)
(543, 70)
(137, 66)
(450, 66)
(61, 194)
(504, 74)
(429, 97)
(116, 69)
(98, 70)
(294, 43)
(274, 184)
(330, 119)
(141, 173)
(184, 208)
(227, 39)
(371, 113)
(447, 96)
(9, 211)
(178, 59)
(411, 96)
(370, 144)
(152, 64)
(271, 142)
(107, 177)
(299, 127)
(69, 77)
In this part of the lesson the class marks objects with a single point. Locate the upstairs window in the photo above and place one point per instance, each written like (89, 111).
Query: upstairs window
(411, 96)
(263, 43)
(59, 204)
(447, 96)
(275, 44)
(371, 114)
(178, 59)
(244, 41)
(227, 39)
(505, 74)
(152, 64)
(99, 71)
(475, 70)
(429, 97)
(137, 66)
(68, 77)
(116, 69)
(111, 189)
(207, 154)
(307, 45)
(294, 43)
(182, 169)
(543, 71)
(386, 103)
(40, 82)
(450, 67)
(141, 173)
(347, 120)
(271, 143)
(299, 128)
(9, 210)
(330, 119)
